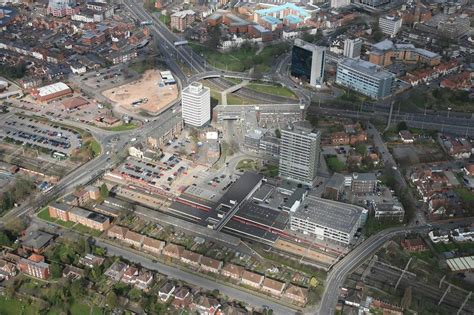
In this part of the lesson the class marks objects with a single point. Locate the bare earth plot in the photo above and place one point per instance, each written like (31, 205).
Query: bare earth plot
(155, 95)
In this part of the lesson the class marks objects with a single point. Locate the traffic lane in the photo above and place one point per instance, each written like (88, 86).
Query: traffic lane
(196, 280)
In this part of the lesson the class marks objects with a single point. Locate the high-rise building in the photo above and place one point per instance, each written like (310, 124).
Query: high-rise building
(390, 25)
(62, 8)
(365, 77)
(196, 104)
(299, 153)
(340, 3)
(352, 47)
(307, 62)
(372, 3)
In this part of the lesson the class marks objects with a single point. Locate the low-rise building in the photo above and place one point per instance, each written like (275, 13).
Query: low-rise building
(153, 245)
(35, 266)
(88, 218)
(437, 236)
(363, 183)
(406, 136)
(36, 241)
(413, 245)
(252, 279)
(166, 291)
(273, 287)
(232, 271)
(7, 269)
(181, 20)
(50, 92)
(210, 264)
(91, 261)
(116, 271)
(173, 251)
(296, 294)
(191, 258)
(134, 239)
(117, 232)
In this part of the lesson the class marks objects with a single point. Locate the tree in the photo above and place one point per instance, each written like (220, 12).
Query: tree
(111, 300)
(104, 191)
(334, 164)
(135, 294)
(77, 288)
(402, 126)
(377, 34)
(214, 33)
(278, 133)
(5, 239)
(313, 282)
(361, 149)
(56, 270)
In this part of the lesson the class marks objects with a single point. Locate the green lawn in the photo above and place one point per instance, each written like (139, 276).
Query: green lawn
(165, 19)
(236, 100)
(123, 127)
(272, 89)
(81, 309)
(44, 215)
(241, 59)
(95, 147)
(16, 307)
(465, 194)
(84, 229)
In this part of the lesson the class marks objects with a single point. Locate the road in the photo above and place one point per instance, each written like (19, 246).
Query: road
(196, 280)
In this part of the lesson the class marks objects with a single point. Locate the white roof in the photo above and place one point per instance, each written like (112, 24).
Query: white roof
(183, 13)
(461, 263)
(52, 88)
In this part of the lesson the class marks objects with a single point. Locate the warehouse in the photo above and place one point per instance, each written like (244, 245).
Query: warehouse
(50, 92)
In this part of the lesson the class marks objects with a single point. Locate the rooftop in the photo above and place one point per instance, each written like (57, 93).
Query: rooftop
(240, 189)
(53, 88)
(36, 239)
(285, 6)
(366, 68)
(332, 214)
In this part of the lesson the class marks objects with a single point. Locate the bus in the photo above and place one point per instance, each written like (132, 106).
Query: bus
(146, 23)
(181, 43)
(59, 155)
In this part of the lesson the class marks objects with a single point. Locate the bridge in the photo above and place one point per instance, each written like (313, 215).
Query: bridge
(227, 74)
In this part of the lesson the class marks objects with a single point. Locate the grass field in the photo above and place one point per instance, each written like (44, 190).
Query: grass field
(235, 100)
(272, 89)
(81, 308)
(16, 307)
(123, 127)
(95, 147)
(241, 59)
(84, 229)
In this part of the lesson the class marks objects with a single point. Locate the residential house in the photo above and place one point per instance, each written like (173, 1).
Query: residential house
(252, 279)
(34, 266)
(406, 136)
(182, 298)
(166, 291)
(191, 258)
(173, 251)
(117, 232)
(116, 270)
(7, 270)
(144, 280)
(413, 245)
(205, 305)
(273, 287)
(437, 236)
(134, 239)
(232, 271)
(90, 260)
(72, 272)
(340, 138)
(210, 264)
(36, 241)
(130, 275)
(153, 245)
(469, 169)
(296, 294)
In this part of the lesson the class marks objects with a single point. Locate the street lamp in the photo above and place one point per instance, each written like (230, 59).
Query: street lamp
(449, 110)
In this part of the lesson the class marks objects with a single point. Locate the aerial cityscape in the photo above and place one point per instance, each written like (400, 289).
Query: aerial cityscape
(236, 157)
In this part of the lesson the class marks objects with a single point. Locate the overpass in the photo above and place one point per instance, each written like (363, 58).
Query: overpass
(227, 74)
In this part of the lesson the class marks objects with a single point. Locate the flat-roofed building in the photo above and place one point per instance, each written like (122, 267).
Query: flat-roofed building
(390, 25)
(196, 104)
(328, 220)
(299, 153)
(307, 62)
(181, 20)
(59, 211)
(365, 77)
(50, 92)
(88, 218)
(363, 182)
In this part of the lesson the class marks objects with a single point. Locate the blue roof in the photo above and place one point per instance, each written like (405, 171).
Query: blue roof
(270, 19)
(293, 19)
(276, 9)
